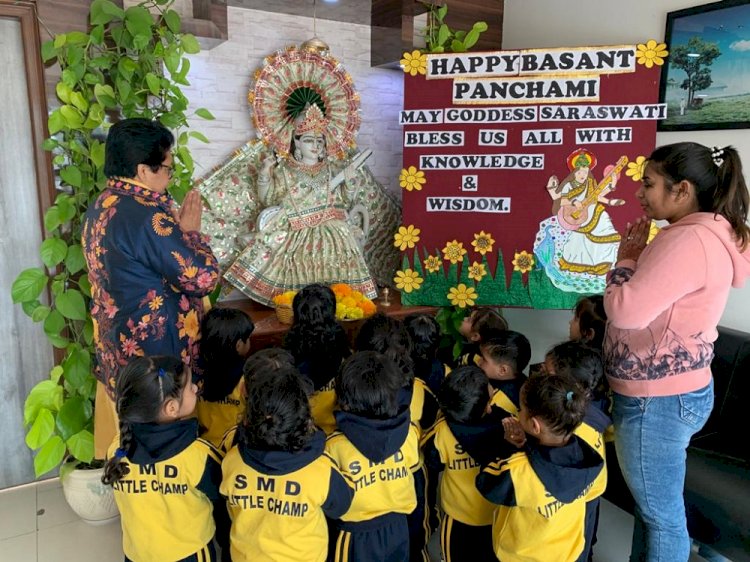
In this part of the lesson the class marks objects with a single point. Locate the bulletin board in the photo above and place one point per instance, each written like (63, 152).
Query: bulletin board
(520, 170)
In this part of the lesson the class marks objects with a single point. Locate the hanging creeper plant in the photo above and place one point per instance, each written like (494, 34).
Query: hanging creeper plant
(131, 63)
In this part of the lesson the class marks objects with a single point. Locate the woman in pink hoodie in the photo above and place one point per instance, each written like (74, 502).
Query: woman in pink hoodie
(663, 303)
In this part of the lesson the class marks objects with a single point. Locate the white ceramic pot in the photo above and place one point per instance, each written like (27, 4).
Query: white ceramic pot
(88, 497)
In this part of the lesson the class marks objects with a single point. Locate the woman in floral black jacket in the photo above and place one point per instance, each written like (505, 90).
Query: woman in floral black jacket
(149, 266)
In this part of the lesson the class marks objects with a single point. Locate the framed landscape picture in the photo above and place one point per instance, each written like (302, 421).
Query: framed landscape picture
(705, 80)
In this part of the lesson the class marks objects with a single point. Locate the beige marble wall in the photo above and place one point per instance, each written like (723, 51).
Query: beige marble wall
(221, 77)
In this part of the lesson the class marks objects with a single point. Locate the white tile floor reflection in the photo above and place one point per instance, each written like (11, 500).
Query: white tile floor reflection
(36, 525)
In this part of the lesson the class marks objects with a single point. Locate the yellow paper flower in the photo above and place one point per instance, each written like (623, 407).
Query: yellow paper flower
(408, 280)
(635, 169)
(411, 178)
(454, 251)
(406, 237)
(483, 242)
(523, 261)
(652, 53)
(432, 264)
(652, 232)
(462, 296)
(477, 271)
(414, 63)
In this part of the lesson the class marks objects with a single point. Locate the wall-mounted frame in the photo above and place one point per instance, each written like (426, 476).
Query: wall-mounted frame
(705, 80)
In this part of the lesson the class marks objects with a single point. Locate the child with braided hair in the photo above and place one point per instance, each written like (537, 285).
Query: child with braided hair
(165, 479)
(541, 491)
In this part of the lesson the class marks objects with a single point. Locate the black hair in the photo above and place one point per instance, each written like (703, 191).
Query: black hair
(558, 400)
(135, 141)
(464, 394)
(368, 385)
(582, 363)
(424, 332)
(719, 189)
(388, 336)
(509, 347)
(277, 413)
(487, 321)
(266, 360)
(141, 389)
(592, 319)
(316, 339)
(221, 330)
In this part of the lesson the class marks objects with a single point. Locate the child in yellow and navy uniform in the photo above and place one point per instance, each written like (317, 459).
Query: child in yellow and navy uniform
(503, 357)
(458, 444)
(165, 479)
(481, 324)
(319, 345)
(376, 446)
(270, 359)
(390, 337)
(424, 332)
(279, 482)
(542, 490)
(224, 347)
(584, 365)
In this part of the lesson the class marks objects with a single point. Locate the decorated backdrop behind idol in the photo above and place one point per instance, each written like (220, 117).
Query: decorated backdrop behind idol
(519, 170)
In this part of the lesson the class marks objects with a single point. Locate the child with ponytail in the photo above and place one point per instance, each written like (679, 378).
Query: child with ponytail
(663, 304)
(165, 479)
(542, 490)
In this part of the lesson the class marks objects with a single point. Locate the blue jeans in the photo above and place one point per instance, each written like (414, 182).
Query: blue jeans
(651, 438)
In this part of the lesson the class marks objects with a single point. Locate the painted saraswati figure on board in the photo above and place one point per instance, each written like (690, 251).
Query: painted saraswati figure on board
(299, 205)
(578, 244)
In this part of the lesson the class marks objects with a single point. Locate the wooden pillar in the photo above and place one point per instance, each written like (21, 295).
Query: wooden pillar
(393, 31)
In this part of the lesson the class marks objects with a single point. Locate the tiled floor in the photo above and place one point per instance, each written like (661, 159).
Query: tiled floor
(36, 525)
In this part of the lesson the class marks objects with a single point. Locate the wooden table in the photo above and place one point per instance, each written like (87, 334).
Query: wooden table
(269, 332)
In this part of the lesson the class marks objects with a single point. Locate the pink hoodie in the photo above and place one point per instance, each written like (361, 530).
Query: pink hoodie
(662, 310)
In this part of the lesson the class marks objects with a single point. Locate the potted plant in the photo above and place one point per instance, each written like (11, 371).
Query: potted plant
(440, 38)
(131, 63)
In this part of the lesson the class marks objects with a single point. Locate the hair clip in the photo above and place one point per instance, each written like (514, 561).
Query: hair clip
(120, 453)
(717, 155)
(161, 372)
(569, 396)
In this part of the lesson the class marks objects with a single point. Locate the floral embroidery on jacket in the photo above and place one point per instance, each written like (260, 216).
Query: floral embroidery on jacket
(147, 278)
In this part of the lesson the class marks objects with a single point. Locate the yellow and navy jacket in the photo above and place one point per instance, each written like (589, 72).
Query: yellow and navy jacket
(379, 456)
(447, 448)
(217, 417)
(592, 431)
(470, 355)
(170, 496)
(279, 501)
(322, 404)
(423, 407)
(541, 494)
(507, 395)
(433, 377)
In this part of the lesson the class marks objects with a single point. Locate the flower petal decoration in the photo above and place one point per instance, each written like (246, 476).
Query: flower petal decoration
(462, 296)
(408, 280)
(636, 168)
(414, 63)
(454, 251)
(483, 242)
(432, 263)
(411, 179)
(477, 271)
(651, 53)
(523, 261)
(406, 237)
